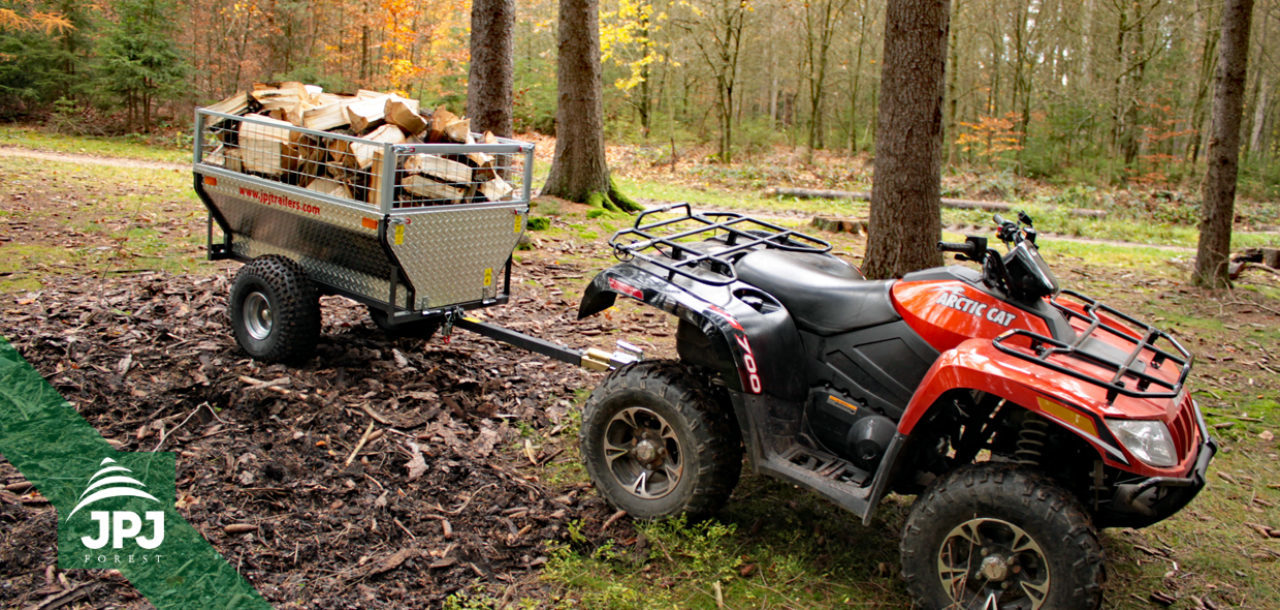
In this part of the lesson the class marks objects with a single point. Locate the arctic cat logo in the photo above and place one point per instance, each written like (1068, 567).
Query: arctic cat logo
(955, 301)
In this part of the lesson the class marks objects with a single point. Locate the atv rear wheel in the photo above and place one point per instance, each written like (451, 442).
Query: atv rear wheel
(275, 310)
(994, 535)
(657, 442)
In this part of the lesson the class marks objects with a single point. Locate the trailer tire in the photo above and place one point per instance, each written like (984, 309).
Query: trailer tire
(275, 310)
(996, 529)
(658, 442)
(418, 329)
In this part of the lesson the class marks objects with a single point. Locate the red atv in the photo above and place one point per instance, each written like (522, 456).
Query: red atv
(1024, 416)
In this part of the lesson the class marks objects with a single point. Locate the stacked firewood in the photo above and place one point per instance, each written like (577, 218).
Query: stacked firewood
(271, 148)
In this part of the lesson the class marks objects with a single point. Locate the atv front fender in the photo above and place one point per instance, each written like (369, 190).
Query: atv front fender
(1076, 406)
(758, 343)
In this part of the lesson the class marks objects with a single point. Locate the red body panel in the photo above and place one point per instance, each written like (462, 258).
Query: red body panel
(1076, 405)
(946, 312)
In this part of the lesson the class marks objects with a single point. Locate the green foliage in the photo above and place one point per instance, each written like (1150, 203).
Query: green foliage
(39, 65)
(538, 223)
(138, 59)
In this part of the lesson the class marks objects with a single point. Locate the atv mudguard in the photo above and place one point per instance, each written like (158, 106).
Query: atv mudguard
(976, 364)
(752, 347)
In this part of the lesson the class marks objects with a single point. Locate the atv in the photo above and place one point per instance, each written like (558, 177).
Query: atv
(1024, 416)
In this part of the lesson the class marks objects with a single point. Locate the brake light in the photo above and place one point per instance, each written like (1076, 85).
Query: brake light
(626, 289)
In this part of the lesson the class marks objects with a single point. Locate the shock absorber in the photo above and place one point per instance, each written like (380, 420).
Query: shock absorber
(1032, 436)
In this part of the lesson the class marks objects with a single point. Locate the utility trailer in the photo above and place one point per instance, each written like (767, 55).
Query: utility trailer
(419, 233)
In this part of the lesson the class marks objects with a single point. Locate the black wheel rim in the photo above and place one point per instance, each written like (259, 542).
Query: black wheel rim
(643, 453)
(257, 316)
(993, 564)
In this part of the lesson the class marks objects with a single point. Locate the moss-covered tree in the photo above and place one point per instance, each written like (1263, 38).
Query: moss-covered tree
(580, 172)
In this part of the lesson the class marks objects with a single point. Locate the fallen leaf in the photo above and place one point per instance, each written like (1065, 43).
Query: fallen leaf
(417, 464)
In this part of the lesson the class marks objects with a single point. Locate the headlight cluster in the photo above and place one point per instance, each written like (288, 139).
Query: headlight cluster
(1149, 441)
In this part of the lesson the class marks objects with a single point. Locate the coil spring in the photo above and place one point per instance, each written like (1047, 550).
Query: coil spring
(1031, 440)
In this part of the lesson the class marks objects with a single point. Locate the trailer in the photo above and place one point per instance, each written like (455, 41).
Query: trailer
(419, 233)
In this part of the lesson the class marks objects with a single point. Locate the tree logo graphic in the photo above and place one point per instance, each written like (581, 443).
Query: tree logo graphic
(113, 480)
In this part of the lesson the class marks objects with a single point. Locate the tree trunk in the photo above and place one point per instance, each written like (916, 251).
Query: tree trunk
(579, 171)
(1223, 154)
(906, 220)
(490, 80)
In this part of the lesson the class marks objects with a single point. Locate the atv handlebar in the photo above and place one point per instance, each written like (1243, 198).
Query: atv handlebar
(973, 248)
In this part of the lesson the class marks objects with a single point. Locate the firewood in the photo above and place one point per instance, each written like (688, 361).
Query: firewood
(483, 162)
(330, 187)
(437, 167)
(387, 134)
(233, 161)
(330, 114)
(496, 189)
(237, 104)
(365, 113)
(340, 158)
(423, 186)
(440, 119)
(286, 102)
(261, 145)
(303, 156)
(458, 131)
(401, 113)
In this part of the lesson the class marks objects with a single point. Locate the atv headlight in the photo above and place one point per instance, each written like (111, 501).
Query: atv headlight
(1147, 440)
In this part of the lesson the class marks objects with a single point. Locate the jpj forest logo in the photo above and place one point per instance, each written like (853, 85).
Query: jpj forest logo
(118, 519)
(117, 527)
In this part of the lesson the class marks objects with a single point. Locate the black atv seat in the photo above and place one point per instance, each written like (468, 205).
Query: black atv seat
(823, 293)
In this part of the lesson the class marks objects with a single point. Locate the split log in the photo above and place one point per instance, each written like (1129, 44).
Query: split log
(403, 114)
(364, 153)
(331, 114)
(237, 104)
(440, 119)
(960, 204)
(483, 162)
(458, 131)
(427, 188)
(330, 187)
(286, 102)
(261, 145)
(496, 189)
(437, 167)
(366, 113)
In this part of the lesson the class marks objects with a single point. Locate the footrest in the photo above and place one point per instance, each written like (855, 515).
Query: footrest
(824, 464)
(831, 476)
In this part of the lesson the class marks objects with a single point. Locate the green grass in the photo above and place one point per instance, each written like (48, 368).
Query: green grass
(96, 219)
(176, 149)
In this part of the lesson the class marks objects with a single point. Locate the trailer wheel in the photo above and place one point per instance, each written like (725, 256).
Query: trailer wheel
(419, 329)
(994, 535)
(657, 442)
(275, 310)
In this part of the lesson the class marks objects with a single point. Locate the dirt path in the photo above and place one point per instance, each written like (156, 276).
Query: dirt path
(14, 151)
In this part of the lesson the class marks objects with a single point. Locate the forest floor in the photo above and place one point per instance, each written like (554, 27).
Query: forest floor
(468, 491)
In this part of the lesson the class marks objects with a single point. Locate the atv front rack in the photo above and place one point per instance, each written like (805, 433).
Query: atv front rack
(1127, 379)
(704, 246)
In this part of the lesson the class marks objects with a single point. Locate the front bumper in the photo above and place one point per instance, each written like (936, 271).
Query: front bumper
(1150, 500)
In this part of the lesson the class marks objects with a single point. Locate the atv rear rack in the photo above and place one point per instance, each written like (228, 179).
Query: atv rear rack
(706, 251)
(1141, 336)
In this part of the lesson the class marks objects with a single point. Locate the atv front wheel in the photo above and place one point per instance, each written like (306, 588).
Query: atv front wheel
(275, 310)
(994, 535)
(656, 442)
